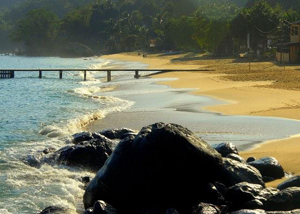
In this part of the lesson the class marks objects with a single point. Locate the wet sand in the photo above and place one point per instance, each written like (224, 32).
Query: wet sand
(263, 98)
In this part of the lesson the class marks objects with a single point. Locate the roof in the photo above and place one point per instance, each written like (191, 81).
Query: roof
(296, 22)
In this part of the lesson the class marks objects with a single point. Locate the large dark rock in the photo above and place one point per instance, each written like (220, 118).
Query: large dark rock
(244, 195)
(204, 208)
(268, 167)
(287, 199)
(236, 157)
(81, 137)
(117, 133)
(225, 149)
(165, 165)
(234, 172)
(90, 154)
(292, 182)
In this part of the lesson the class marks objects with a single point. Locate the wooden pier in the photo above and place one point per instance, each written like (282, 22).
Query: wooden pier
(10, 73)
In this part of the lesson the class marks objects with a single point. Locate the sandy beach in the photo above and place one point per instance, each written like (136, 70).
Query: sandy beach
(265, 90)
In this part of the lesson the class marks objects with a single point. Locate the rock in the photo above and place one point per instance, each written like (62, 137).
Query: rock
(269, 167)
(86, 179)
(54, 210)
(101, 207)
(204, 208)
(88, 211)
(244, 195)
(285, 212)
(245, 211)
(292, 182)
(81, 137)
(165, 164)
(117, 133)
(90, 155)
(234, 172)
(280, 202)
(49, 150)
(35, 160)
(225, 149)
(253, 204)
(236, 157)
(171, 211)
(250, 159)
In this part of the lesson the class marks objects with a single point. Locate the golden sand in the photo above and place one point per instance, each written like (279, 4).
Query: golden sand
(265, 90)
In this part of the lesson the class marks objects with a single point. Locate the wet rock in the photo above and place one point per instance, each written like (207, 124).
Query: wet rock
(81, 137)
(117, 133)
(280, 202)
(86, 179)
(236, 158)
(292, 182)
(268, 167)
(267, 179)
(246, 211)
(90, 155)
(165, 164)
(35, 160)
(285, 212)
(244, 195)
(49, 150)
(101, 207)
(250, 159)
(171, 211)
(88, 211)
(225, 149)
(54, 210)
(234, 172)
(204, 208)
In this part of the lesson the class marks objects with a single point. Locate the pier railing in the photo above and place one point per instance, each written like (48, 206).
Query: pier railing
(10, 73)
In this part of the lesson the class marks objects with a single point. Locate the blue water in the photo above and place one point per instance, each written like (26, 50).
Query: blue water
(36, 113)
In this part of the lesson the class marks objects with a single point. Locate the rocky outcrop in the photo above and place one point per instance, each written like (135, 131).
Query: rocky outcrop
(268, 167)
(291, 182)
(164, 165)
(117, 133)
(234, 172)
(225, 149)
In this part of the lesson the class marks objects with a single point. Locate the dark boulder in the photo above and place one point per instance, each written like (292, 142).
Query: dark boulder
(280, 202)
(101, 207)
(204, 208)
(164, 165)
(234, 172)
(268, 167)
(250, 159)
(236, 157)
(90, 154)
(81, 137)
(291, 182)
(117, 133)
(225, 149)
(244, 195)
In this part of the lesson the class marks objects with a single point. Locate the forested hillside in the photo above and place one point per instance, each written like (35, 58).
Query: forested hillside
(52, 27)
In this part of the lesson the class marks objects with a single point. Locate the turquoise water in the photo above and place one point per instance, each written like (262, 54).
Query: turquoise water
(36, 113)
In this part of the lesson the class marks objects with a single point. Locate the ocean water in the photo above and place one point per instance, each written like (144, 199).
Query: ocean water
(41, 113)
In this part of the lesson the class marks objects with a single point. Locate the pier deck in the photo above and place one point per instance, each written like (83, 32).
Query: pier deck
(10, 73)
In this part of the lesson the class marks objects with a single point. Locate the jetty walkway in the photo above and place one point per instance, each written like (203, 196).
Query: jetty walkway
(10, 73)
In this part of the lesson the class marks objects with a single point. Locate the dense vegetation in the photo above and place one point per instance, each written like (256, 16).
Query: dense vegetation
(218, 26)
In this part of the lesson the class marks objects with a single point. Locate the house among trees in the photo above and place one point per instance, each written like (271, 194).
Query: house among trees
(290, 52)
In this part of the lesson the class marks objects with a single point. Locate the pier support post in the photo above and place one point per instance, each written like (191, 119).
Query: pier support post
(40, 74)
(12, 74)
(136, 74)
(60, 74)
(108, 76)
(84, 75)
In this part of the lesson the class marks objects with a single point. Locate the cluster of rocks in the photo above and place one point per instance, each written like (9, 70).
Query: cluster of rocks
(166, 169)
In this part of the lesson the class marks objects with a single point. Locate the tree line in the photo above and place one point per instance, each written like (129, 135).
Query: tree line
(106, 26)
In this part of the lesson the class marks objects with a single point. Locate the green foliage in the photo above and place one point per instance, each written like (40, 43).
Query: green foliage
(38, 30)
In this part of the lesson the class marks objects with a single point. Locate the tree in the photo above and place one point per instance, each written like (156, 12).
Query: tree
(38, 30)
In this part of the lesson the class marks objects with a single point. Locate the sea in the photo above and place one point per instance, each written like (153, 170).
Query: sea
(42, 113)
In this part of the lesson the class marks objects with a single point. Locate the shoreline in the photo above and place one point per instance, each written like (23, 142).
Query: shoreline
(213, 85)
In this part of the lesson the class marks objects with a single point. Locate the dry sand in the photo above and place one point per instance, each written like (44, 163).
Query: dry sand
(265, 90)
